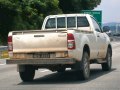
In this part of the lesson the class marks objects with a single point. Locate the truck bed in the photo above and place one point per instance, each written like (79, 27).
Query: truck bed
(39, 41)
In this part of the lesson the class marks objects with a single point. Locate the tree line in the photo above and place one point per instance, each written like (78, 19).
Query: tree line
(29, 14)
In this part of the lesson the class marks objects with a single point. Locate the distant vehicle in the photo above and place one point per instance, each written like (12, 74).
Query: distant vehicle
(107, 30)
(66, 41)
(116, 34)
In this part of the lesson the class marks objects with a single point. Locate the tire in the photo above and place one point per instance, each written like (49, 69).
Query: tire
(108, 64)
(85, 67)
(28, 74)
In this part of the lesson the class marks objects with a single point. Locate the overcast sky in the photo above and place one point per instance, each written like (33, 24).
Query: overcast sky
(110, 10)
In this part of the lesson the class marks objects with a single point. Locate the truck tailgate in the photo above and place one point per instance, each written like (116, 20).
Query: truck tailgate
(40, 41)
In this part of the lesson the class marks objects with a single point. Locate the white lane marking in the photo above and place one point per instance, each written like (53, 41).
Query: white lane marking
(44, 70)
(2, 64)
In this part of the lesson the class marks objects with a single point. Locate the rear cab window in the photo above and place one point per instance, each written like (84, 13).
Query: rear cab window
(51, 23)
(71, 22)
(82, 22)
(61, 22)
(67, 22)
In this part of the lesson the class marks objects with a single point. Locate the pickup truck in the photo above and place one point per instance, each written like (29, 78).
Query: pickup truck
(65, 41)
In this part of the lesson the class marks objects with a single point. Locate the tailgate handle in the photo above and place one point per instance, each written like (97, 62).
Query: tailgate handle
(39, 36)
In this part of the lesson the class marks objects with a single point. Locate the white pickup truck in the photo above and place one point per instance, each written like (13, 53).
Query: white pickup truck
(66, 41)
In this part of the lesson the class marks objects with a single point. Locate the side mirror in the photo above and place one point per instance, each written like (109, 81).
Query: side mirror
(106, 29)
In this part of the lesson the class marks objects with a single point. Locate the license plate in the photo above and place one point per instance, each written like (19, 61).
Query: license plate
(41, 55)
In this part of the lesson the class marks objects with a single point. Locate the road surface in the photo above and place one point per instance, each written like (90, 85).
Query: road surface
(47, 80)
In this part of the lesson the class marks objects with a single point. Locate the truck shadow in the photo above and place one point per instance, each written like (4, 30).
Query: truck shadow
(68, 77)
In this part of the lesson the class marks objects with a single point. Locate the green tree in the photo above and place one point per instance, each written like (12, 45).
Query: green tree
(24, 14)
(75, 6)
(29, 14)
(7, 14)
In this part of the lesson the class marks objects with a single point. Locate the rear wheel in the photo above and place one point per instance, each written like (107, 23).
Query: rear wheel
(28, 74)
(85, 67)
(108, 64)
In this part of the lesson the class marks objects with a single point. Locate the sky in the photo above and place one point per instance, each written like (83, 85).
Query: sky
(110, 10)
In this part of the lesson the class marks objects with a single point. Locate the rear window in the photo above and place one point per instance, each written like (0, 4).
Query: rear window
(82, 22)
(71, 22)
(50, 23)
(61, 22)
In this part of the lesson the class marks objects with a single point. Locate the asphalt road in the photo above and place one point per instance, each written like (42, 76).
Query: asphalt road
(47, 80)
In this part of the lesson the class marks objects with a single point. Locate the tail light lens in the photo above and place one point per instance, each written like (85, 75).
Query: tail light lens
(71, 41)
(10, 45)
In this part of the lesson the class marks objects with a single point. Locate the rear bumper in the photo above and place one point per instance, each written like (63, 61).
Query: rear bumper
(41, 61)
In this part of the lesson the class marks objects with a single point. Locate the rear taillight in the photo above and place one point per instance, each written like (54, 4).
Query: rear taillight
(71, 41)
(10, 45)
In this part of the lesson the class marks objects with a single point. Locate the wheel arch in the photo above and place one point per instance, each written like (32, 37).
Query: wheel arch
(110, 47)
(86, 49)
